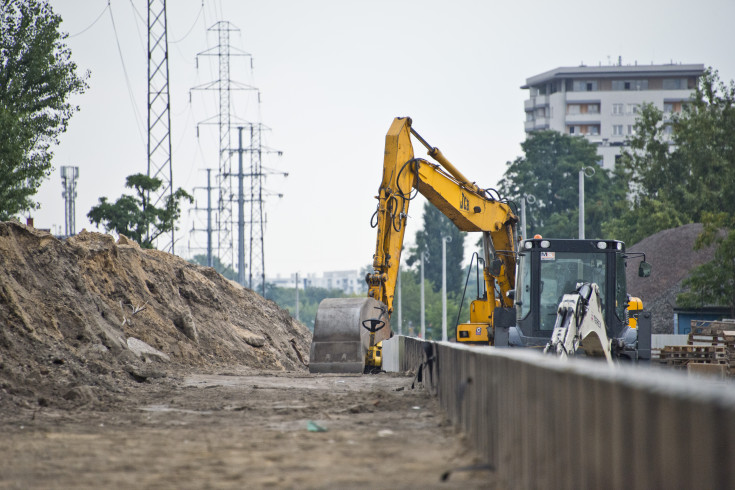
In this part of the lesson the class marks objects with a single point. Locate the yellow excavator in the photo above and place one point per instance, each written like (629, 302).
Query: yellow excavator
(348, 331)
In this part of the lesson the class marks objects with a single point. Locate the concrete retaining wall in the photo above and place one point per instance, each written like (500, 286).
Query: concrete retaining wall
(544, 423)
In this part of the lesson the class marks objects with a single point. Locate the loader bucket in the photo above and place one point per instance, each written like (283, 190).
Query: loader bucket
(340, 342)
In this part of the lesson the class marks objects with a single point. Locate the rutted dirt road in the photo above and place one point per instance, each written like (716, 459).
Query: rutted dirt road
(242, 430)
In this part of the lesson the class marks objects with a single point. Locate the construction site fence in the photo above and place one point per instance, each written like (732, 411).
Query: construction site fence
(542, 422)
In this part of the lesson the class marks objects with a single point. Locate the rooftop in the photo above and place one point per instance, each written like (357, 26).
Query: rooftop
(616, 71)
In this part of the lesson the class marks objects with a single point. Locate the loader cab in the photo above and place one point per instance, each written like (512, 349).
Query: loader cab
(549, 268)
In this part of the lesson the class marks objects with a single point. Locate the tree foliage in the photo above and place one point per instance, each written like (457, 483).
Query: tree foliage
(134, 216)
(682, 170)
(681, 166)
(309, 299)
(37, 78)
(550, 172)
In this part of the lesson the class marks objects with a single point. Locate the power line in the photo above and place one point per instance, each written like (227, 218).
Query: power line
(201, 9)
(93, 23)
(127, 78)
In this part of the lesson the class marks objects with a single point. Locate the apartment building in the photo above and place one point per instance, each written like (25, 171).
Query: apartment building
(601, 103)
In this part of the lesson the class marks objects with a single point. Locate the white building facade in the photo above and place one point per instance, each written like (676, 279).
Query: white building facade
(349, 282)
(601, 103)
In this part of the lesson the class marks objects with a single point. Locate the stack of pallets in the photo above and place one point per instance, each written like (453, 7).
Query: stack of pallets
(710, 348)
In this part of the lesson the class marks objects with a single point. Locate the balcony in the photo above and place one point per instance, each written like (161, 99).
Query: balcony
(533, 102)
(588, 118)
(538, 124)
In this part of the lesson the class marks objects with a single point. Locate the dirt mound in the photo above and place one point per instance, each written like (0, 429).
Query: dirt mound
(80, 318)
(671, 254)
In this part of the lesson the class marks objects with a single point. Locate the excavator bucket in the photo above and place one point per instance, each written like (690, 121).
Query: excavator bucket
(341, 334)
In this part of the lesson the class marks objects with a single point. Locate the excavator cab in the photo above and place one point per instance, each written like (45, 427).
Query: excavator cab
(550, 268)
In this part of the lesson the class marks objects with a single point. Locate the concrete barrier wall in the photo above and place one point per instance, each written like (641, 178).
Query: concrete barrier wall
(543, 423)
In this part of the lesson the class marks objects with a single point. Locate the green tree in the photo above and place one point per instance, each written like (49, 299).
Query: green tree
(550, 172)
(429, 239)
(411, 306)
(37, 78)
(713, 283)
(224, 269)
(309, 299)
(134, 216)
(682, 166)
(682, 170)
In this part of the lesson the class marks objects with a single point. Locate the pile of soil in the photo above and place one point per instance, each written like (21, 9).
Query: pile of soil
(672, 255)
(82, 318)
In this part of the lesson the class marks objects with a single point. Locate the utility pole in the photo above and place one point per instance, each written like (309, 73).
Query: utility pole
(423, 301)
(240, 213)
(445, 240)
(400, 315)
(208, 209)
(159, 109)
(297, 297)
(210, 261)
(223, 86)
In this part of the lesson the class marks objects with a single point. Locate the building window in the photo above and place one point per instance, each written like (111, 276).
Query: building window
(573, 109)
(631, 129)
(617, 109)
(594, 130)
(674, 84)
(529, 116)
(630, 84)
(617, 129)
(633, 108)
(670, 107)
(541, 112)
(593, 108)
(584, 86)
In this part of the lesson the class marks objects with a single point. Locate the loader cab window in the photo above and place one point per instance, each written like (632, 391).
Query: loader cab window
(523, 286)
(621, 289)
(560, 273)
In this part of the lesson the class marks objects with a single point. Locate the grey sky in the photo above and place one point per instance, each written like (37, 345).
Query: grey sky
(333, 74)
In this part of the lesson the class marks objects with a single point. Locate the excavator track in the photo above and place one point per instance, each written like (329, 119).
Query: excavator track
(340, 342)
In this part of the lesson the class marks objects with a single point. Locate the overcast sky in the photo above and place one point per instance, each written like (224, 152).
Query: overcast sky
(332, 76)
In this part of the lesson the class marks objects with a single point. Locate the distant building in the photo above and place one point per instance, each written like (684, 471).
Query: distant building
(349, 282)
(601, 103)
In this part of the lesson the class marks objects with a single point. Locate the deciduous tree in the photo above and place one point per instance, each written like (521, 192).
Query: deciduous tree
(37, 79)
(134, 216)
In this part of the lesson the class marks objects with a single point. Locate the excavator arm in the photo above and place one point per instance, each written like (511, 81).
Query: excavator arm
(469, 207)
(465, 204)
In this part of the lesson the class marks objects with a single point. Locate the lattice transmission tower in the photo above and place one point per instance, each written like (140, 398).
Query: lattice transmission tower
(159, 115)
(224, 86)
(256, 201)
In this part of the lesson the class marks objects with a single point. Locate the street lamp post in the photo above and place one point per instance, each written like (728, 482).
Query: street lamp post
(584, 172)
(530, 198)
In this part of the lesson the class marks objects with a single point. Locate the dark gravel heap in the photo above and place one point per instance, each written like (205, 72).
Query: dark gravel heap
(672, 256)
